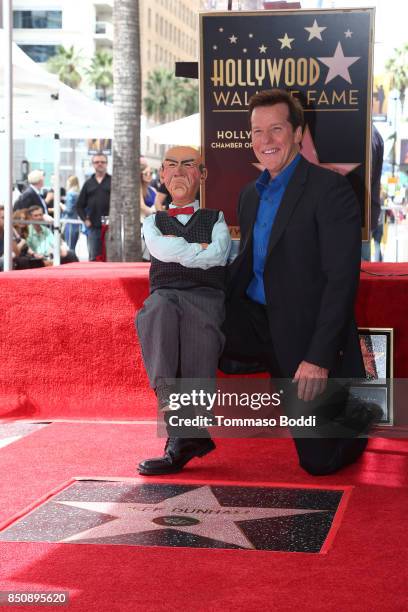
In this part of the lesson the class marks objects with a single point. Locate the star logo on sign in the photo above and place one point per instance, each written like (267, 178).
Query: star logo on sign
(348, 34)
(197, 512)
(262, 49)
(315, 31)
(286, 41)
(338, 65)
(309, 152)
(233, 39)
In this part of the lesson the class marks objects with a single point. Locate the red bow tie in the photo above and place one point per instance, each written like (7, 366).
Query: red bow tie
(187, 210)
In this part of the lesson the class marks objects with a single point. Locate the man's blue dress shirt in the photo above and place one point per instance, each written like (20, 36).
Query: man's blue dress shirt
(271, 194)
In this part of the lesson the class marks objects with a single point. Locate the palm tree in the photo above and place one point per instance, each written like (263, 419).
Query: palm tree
(100, 72)
(169, 96)
(188, 97)
(398, 68)
(162, 89)
(125, 193)
(65, 64)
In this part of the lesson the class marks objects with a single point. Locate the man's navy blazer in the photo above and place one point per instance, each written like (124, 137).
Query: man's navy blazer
(311, 271)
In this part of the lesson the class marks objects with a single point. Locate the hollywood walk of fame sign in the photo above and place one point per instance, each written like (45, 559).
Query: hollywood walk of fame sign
(197, 516)
(323, 57)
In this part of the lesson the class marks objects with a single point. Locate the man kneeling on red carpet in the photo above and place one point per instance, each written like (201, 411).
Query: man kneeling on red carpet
(179, 326)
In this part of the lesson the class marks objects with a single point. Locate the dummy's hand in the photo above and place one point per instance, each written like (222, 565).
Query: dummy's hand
(311, 379)
(169, 236)
(204, 245)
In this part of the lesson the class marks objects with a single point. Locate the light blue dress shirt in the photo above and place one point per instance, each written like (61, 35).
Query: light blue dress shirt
(188, 254)
(271, 194)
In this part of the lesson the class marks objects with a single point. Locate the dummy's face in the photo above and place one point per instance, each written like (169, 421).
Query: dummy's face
(274, 141)
(1, 219)
(182, 175)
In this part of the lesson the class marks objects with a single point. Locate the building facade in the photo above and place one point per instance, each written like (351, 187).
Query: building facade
(169, 33)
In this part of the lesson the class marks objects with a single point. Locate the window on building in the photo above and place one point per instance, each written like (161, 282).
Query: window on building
(51, 20)
(39, 53)
(149, 17)
(149, 50)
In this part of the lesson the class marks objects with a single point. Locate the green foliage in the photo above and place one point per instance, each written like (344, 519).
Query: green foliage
(169, 96)
(397, 65)
(100, 72)
(66, 63)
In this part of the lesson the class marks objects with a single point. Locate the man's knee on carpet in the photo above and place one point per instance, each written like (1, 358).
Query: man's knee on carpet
(324, 457)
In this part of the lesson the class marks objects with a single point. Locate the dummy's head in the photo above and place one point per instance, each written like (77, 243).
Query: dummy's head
(182, 172)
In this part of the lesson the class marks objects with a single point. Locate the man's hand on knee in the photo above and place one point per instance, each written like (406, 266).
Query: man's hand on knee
(311, 379)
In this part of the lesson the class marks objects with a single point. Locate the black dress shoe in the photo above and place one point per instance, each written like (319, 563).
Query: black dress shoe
(177, 452)
(360, 417)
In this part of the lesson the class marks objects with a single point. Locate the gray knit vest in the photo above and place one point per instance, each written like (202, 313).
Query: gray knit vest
(173, 275)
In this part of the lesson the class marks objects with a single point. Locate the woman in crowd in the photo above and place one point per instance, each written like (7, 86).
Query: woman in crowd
(71, 231)
(147, 192)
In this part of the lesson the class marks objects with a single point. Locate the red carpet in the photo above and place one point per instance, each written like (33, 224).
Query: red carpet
(68, 343)
(364, 570)
(68, 347)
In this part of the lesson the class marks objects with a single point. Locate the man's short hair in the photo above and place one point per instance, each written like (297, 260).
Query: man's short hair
(100, 155)
(35, 207)
(271, 97)
(35, 177)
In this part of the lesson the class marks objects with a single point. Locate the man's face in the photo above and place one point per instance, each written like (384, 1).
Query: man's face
(274, 141)
(99, 163)
(37, 215)
(181, 174)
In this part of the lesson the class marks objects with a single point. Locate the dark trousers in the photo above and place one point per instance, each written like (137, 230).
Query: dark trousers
(248, 340)
(94, 239)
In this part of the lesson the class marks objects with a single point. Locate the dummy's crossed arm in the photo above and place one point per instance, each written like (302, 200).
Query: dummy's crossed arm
(190, 255)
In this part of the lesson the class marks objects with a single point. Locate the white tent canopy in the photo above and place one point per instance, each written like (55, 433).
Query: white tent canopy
(185, 131)
(28, 77)
(43, 106)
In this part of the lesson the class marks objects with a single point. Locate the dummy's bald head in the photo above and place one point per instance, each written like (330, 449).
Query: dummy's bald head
(182, 171)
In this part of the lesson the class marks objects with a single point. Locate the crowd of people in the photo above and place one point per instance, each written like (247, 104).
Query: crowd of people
(32, 224)
(83, 210)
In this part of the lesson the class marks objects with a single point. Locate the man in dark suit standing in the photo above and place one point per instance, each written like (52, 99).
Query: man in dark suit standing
(294, 283)
(32, 196)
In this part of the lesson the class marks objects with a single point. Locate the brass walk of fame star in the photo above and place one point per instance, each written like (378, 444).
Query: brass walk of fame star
(338, 65)
(197, 512)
